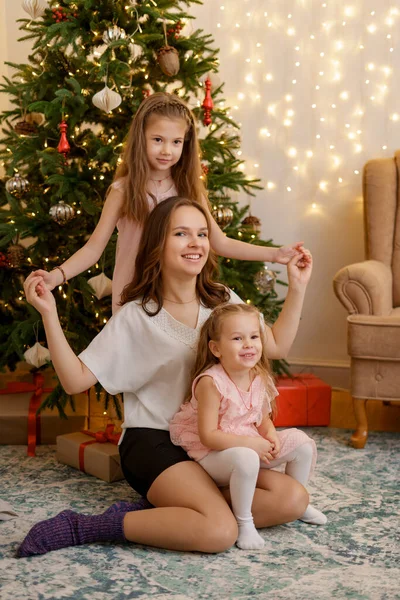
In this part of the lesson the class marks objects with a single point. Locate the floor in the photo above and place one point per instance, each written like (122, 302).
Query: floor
(355, 556)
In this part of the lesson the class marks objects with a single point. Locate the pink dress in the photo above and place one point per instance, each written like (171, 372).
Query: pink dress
(235, 416)
(129, 234)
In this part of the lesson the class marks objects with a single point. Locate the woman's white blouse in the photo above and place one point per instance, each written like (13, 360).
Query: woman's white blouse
(148, 359)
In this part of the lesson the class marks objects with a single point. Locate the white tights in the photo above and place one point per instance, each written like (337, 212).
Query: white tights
(239, 467)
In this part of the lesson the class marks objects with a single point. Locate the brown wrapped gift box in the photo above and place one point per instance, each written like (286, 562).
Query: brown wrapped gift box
(100, 460)
(14, 420)
(14, 409)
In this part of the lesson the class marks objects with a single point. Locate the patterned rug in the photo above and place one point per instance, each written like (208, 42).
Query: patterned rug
(356, 555)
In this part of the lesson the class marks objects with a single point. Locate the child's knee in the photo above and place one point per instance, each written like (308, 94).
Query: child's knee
(305, 450)
(246, 460)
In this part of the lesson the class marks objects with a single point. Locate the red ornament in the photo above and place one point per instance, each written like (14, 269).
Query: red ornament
(208, 103)
(60, 14)
(204, 168)
(4, 262)
(63, 145)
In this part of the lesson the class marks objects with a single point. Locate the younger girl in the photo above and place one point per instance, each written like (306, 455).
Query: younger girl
(161, 159)
(226, 425)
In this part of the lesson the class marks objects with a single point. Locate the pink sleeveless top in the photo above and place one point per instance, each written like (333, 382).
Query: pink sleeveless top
(235, 415)
(129, 234)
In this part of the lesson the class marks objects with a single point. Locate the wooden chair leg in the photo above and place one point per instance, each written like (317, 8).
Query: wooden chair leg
(359, 437)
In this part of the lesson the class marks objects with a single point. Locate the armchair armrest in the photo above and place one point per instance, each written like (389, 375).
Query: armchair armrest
(365, 288)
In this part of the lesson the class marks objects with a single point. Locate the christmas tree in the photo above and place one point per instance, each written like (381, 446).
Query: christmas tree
(91, 65)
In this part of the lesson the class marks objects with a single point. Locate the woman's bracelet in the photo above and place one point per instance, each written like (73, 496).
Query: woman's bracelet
(63, 274)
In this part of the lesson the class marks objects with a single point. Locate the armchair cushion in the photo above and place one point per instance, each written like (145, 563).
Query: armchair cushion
(365, 288)
(375, 337)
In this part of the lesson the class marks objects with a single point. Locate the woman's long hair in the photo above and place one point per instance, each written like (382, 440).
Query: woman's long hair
(135, 167)
(211, 330)
(147, 282)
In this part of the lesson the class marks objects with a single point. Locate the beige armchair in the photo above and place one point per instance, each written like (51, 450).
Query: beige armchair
(370, 291)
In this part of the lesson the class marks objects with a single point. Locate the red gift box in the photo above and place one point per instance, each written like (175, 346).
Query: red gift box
(304, 401)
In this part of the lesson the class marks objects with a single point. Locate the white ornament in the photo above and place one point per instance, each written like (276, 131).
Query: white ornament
(135, 51)
(34, 8)
(102, 285)
(97, 52)
(107, 100)
(37, 356)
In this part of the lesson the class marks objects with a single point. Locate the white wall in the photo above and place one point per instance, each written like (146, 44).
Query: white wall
(258, 63)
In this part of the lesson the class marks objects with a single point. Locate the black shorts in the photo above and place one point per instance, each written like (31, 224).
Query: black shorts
(145, 453)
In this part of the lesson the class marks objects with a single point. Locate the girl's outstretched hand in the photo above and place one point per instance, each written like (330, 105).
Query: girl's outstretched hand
(49, 279)
(39, 295)
(285, 253)
(300, 268)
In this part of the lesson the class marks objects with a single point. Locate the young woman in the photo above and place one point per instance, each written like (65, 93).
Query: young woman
(146, 351)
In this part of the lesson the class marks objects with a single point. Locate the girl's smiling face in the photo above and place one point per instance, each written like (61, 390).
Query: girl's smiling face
(239, 346)
(164, 143)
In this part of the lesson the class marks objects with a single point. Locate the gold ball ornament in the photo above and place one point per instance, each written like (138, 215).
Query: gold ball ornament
(252, 223)
(113, 34)
(17, 185)
(61, 213)
(264, 280)
(168, 59)
(15, 256)
(223, 215)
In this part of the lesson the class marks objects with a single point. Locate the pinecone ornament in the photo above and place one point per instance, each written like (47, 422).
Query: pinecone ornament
(25, 128)
(168, 59)
(252, 223)
(15, 256)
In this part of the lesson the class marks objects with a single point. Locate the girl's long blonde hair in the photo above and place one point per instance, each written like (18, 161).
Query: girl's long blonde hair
(211, 330)
(135, 168)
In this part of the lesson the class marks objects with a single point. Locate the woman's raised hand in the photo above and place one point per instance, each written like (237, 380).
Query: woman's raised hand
(300, 268)
(38, 294)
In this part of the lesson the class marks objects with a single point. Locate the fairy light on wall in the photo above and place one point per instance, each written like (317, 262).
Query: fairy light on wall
(318, 77)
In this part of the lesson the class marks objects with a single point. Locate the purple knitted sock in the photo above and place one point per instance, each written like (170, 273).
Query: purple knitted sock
(124, 507)
(72, 529)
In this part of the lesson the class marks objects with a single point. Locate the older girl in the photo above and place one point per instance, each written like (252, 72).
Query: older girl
(161, 159)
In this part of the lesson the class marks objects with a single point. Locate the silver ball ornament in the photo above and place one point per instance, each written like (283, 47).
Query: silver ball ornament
(113, 34)
(17, 185)
(61, 213)
(264, 280)
(223, 215)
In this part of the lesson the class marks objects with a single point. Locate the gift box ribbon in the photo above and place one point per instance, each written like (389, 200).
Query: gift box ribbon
(34, 421)
(100, 437)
